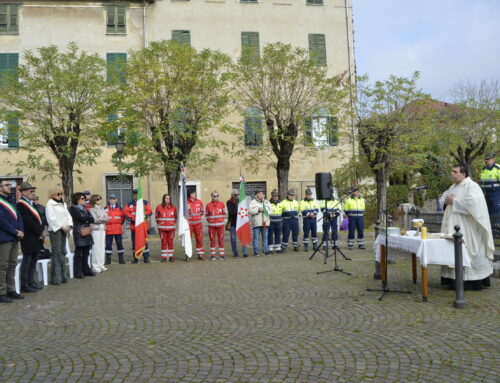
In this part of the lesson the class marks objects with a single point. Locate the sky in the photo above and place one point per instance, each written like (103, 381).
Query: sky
(447, 41)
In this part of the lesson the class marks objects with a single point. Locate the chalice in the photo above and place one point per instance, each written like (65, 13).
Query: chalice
(417, 223)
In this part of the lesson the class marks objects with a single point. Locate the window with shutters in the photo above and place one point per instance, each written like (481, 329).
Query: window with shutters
(253, 127)
(250, 47)
(9, 18)
(314, 2)
(182, 37)
(8, 63)
(115, 134)
(115, 66)
(321, 130)
(116, 19)
(317, 48)
(9, 134)
(249, 1)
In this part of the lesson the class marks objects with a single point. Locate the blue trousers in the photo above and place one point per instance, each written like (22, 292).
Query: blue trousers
(290, 224)
(109, 244)
(493, 201)
(356, 223)
(260, 231)
(274, 236)
(234, 245)
(330, 224)
(146, 248)
(310, 226)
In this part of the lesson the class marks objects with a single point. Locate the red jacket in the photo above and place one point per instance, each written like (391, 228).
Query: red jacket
(195, 211)
(216, 212)
(114, 225)
(130, 213)
(166, 217)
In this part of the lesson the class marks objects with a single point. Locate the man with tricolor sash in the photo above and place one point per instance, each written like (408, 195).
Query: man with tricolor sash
(11, 231)
(34, 235)
(259, 213)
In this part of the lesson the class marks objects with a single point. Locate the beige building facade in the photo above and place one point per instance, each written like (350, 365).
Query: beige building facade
(107, 27)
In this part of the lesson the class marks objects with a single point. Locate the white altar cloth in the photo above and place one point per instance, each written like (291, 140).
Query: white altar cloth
(429, 251)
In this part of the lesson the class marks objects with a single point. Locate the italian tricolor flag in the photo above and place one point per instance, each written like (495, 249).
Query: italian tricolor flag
(141, 232)
(242, 222)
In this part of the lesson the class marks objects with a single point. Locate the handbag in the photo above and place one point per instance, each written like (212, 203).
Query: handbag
(85, 231)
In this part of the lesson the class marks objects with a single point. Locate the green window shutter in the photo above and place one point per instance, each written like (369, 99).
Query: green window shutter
(8, 18)
(315, 2)
(250, 46)
(116, 19)
(182, 37)
(8, 63)
(13, 132)
(253, 128)
(317, 48)
(115, 63)
(333, 131)
(308, 138)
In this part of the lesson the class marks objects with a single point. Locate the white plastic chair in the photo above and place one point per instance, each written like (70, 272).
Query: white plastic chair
(43, 274)
(70, 256)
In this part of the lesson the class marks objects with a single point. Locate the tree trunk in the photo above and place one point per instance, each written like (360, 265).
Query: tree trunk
(282, 170)
(381, 181)
(173, 177)
(66, 168)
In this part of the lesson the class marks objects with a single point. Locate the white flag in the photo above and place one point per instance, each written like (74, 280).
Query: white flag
(182, 221)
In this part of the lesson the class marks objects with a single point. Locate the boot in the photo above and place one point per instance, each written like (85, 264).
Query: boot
(315, 246)
(306, 246)
(108, 259)
(120, 259)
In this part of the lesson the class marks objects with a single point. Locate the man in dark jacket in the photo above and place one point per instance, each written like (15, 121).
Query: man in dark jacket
(11, 230)
(34, 235)
(232, 214)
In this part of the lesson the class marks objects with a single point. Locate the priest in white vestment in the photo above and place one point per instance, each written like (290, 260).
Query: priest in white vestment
(466, 207)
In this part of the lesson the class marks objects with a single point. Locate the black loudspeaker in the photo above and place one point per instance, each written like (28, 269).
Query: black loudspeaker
(323, 183)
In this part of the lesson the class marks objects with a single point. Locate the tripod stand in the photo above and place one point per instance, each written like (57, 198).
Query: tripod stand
(385, 288)
(327, 216)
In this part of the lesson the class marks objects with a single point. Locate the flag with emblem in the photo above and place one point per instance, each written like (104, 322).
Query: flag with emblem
(265, 213)
(242, 222)
(141, 231)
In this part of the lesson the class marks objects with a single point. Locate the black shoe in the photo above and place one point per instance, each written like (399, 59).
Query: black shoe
(306, 247)
(108, 260)
(146, 260)
(362, 248)
(188, 259)
(79, 276)
(267, 253)
(245, 255)
(27, 289)
(5, 299)
(36, 286)
(120, 259)
(296, 248)
(236, 256)
(90, 274)
(135, 260)
(315, 247)
(14, 295)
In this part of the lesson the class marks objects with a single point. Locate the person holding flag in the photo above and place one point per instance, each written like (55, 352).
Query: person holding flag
(242, 222)
(259, 213)
(183, 228)
(216, 213)
(137, 212)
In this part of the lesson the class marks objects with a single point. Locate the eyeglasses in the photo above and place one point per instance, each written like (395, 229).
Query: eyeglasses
(215, 195)
(98, 199)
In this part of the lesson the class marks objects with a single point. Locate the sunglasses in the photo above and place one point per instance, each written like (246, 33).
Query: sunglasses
(98, 199)
(215, 195)
(59, 194)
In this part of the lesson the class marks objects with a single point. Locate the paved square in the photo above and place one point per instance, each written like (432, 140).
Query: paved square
(261, 319)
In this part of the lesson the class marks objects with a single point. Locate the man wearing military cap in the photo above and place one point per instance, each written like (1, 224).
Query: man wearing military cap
(309, 209)
(490, 183)
(355, 210)
(274, 239)
(290, 216)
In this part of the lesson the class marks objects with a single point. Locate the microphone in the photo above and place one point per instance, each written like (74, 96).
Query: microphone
(420, 187)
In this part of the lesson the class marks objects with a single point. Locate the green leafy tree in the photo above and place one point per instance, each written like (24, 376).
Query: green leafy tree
(170, 109)
(472, 123)
(390, 132)
(57, 97)
(286, 87)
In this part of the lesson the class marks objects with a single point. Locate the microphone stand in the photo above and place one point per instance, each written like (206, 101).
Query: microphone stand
(385, 288)
(328, 218)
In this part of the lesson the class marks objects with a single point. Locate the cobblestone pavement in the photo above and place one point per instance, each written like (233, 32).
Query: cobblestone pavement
(261, 319)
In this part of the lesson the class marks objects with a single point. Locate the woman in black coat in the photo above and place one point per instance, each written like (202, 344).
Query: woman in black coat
(81, 218)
